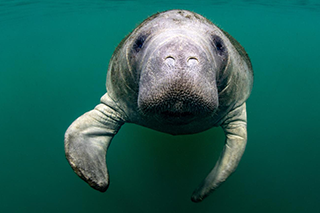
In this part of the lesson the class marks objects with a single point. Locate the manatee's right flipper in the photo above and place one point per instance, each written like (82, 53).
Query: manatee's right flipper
(87, 141)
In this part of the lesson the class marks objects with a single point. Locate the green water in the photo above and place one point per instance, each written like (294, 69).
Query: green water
(53, 61)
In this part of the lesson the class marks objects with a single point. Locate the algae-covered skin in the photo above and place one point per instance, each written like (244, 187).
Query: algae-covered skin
(177, 73)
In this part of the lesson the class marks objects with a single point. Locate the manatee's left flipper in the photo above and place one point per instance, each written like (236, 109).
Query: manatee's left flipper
(87, 141)
(235, 128)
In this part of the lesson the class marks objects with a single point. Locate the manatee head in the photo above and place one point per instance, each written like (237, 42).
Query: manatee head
(176, 57)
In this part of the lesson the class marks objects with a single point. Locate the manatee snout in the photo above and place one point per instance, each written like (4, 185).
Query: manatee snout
(177, 102)
(177, 84)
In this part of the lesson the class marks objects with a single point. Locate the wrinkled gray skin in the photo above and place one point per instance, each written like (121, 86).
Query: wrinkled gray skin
(176, 73)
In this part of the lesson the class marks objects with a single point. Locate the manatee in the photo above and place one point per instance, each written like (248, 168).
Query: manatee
(177, 73)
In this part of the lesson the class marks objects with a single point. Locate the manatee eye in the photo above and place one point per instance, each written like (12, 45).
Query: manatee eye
(139, 43)
(219, 45)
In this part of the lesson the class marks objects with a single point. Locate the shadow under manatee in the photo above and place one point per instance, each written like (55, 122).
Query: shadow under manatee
(171, 166)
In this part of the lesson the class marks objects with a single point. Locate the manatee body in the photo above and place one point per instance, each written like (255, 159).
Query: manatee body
(177, 73)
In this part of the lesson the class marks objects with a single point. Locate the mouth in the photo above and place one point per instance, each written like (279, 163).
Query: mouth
(177, 114)
(178, 118)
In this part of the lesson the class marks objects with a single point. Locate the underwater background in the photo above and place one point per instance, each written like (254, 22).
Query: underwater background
(53, 61)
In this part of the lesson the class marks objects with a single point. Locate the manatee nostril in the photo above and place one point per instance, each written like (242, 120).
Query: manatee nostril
(169, 60)
(192, 61)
